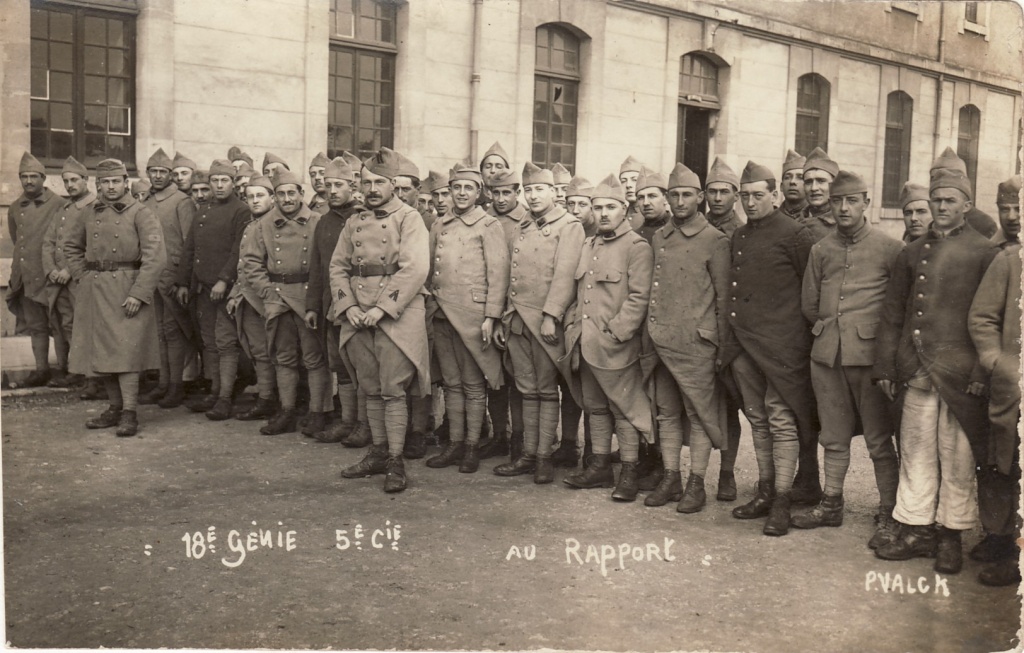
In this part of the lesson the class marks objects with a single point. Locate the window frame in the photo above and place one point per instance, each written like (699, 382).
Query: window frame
(359, 46)
(79, 12)
(973, 140)
(980, 26)
(550, 76)
(701, 99)
(892, 181)
(822, 113)
(906, 6)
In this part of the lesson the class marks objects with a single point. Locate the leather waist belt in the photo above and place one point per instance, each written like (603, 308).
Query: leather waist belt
(110, 266)
(298, 277)
(374, 269)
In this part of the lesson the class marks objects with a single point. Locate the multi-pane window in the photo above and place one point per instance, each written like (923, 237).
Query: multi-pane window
(968, 136)
(971, 12)
(556, 97)
(899, 114)
(361, 83)
(812, 100)
(698, 80)
(83, 84)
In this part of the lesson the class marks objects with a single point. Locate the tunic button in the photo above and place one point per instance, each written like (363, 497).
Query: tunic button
(739, 253)
(358, 244)
(920, 295)
(917, 332)
(662, 249)
(360, 286)
(381, 284)
(513, 279)
(383, 226)
(515, 265)
(278, 249)
(652, 318)
(920, 313)
(655, 283)
(279, 262)
(927, 246)
(658, 267)
(516, 250)
(841, 298)
(585, 316)
(733, 284)
(591, 272)
(304, 248)
(437, 273)
(384, 240)
(734, 299)
(652, 302)
(589, 286)
(358, 229)
(113, 249)
(924, 262)
(513, 293)
(437, 258)
(921, 277)
(116, 236)
(521, 238)
(303, 262)
(586, 301)
(94, 236)
(595, 258)
(277, 289)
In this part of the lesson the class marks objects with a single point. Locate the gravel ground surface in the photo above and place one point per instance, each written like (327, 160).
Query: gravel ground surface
(95, 555)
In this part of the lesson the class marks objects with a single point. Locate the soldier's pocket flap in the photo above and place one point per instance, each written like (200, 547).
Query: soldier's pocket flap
(479, 295)
(819, 326)
(867, 331)
(610, 276)
(709, 335)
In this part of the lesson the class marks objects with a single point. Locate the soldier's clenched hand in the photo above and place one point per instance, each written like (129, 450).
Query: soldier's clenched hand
(976, 388)
(355, 316)
(232, 305)
(487, 330)
(310, 319)
(549, 330)
(131, 307)
(218, 290)
(182, 294)
(888, 388)
(372, 317)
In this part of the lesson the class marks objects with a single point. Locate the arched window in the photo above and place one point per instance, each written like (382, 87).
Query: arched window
(698, 80)
(899, 113)
(556, 97)
(812, 98)
(967, 141)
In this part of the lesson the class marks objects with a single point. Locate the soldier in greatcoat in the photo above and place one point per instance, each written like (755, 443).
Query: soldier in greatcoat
(28, 220)
(819, 172)
(116, 253)
(246, 305)
(545, 248)
(974, 217)
(794, 199)
(651, 198)
(436, 184)
(175, 211)
(504, 405)
(276, 264)
(613, 286)
(579, 202)
(562, 177)
(201, 191)
(273, 164)
(687, 324)
(209, 267)
(351, 429)
(721, 189)
(377, 276)
(318, 203)
(994, 323)
(60, 287)
(771, 344)
(917, 212)
(925, 352)
(468, 281)
(843, 289)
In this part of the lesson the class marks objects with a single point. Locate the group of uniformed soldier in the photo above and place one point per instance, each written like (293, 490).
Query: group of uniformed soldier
(534, 297)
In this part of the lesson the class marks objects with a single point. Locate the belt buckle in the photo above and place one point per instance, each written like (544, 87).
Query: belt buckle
(359, 270)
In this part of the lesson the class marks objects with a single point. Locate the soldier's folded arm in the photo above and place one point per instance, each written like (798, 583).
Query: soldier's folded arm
(413, 267)
(640, 270)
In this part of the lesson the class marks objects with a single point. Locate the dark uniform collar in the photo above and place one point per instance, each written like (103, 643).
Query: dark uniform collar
(167, 192)
(766, 220)
(470, 217)
(823, 213)
(727, 220)
(623, 228)
(517, 213)
(659, 221)
(84, 200)
(389, 207)
(40, 199)
(794, 213)
(345, 210)
(317, 201)
(856, 236)
(553, 215)
(935, 234)
(120, 206)
(302, 217)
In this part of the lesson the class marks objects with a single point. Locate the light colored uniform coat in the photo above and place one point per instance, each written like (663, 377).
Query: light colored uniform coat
(390, 234)
(105, 341)
(613, 286)
(53, 244)
(468, 280)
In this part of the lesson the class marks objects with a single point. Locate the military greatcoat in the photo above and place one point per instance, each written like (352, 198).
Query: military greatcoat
(125, 239)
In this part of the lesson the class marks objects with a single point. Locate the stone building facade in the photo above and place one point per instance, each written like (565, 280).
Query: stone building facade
(882, 86)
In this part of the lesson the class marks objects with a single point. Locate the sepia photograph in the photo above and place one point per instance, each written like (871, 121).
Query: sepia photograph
(511, 325)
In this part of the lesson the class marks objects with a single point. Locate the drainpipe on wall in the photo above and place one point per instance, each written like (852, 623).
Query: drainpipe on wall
(474, 80)
(942, 78)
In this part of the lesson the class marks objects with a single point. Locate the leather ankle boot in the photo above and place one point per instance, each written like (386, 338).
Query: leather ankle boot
(174, 397)
(629, 483)
(263, 409)
(203, 404)
(544, 473)
(760, 505)
(338, 432)
(470, 460)
(807, 484)
(827, 513)
(597, 472)
(1001, 574)
(374, 462)
(778, 517)
(315, 423)
(887, 529)
(566, 455)
(726, 486)
(395, 480)
(283, 422)
(650, 468)
(128, 425)
(359, 437)
(515, 446)
(694, 497)
(153, 396)
(525, 464)
(110, 417)
(220, 411)
(913, 542)
(993, 548)
(415, 445)
(495, 447)
(670, 489)
(949, 555)
(452, 455)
